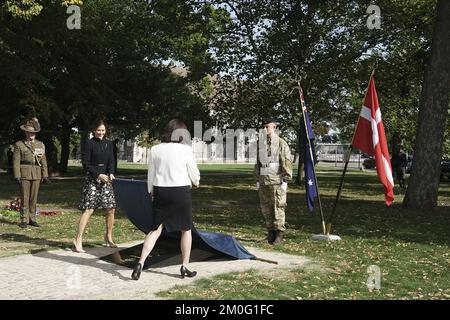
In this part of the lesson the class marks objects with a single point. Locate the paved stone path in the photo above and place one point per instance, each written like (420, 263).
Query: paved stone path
(63, 274)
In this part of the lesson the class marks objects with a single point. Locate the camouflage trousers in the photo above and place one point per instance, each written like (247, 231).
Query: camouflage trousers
(273, 201)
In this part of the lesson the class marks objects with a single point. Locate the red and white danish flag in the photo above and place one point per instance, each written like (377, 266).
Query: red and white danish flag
(370, 138)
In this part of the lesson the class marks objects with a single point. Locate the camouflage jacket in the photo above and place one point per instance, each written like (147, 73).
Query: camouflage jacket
(274, 161)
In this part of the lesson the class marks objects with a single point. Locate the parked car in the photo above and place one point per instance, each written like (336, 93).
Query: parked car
(445, 169)
(369, 163)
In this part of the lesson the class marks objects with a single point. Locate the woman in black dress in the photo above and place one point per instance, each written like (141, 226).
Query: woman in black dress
(171, 174)
(98, 161)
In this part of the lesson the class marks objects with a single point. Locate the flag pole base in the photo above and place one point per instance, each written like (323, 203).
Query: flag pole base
(326, 237)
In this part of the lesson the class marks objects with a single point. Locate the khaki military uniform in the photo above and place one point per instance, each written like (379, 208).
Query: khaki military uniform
(30, 166)
(274, 165)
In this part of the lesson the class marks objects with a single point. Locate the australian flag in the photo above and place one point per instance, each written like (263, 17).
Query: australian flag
(310, 178)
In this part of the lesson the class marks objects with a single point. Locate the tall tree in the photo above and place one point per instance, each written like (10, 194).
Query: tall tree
(329, 42)
(115, 67)
(433, 118)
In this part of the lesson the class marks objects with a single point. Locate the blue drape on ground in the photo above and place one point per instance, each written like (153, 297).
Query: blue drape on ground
(133, 198)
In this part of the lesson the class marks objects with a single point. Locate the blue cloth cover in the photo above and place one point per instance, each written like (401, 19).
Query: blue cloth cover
(133, 198)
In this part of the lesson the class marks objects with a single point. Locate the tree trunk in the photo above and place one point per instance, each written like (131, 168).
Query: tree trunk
(395, 143)
(84, 136)
(2, 154)
(65, 147)
(433, 115)
(50, 152)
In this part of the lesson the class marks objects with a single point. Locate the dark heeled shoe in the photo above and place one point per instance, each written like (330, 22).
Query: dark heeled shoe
(136, 272)
(185, 272)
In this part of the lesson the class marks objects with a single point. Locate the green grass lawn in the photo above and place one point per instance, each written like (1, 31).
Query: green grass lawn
(411, 248)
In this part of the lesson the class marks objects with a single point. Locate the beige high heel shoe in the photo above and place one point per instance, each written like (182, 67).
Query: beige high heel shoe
(75, 248)
(109, 244)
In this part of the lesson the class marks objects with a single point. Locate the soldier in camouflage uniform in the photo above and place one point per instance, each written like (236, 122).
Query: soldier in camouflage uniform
(273, 170)
(29, 167)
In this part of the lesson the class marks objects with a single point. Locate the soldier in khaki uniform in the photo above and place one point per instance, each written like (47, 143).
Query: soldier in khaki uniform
(273, 170)
(30, 167)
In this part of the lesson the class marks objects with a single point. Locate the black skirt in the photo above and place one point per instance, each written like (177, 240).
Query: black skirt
(172, 207)
(97, 195)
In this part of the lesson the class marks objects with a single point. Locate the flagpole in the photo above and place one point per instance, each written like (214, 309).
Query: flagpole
(341, 183)
(300, 91)
(347, 160)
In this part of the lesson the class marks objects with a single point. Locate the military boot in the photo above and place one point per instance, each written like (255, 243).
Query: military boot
(34, 224)
(270, 236)
(278, 237)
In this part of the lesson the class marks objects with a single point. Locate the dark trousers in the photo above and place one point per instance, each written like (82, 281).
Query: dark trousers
(400, 177)
(29, 193)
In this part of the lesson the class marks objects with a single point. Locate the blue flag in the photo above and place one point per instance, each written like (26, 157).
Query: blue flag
(310, 178)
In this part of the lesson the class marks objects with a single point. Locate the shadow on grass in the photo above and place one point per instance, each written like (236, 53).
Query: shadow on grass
(52, 244)
(6, 221)
(364, 219)
(358, 215)
(372, 219)
(36, 241)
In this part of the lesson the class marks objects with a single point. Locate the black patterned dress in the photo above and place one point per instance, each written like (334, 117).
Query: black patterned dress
(97, 158)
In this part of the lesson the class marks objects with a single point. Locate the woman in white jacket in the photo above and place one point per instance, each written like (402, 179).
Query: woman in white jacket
(172, 172)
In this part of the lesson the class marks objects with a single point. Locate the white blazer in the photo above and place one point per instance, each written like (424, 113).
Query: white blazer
(172, 165)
